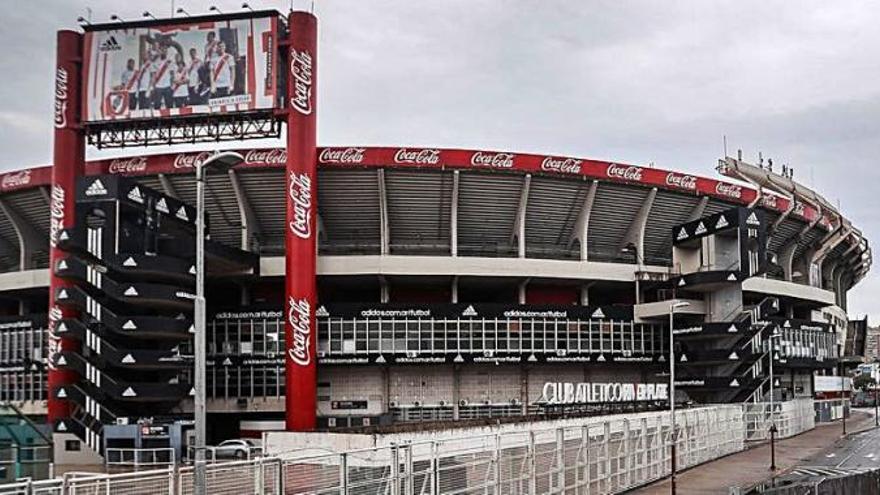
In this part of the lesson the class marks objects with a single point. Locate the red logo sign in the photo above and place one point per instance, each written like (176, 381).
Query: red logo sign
(419, 157)
(190, 160)
(56, 214)
(729, 190)
(625, 172)
(562, 165)
(494, 160)
(301, 199)
(272, 156)
(299, 317)
(341, 155)
(688, 182)
(15, 179)
(301, 71)
(127, 165)
(61, 82)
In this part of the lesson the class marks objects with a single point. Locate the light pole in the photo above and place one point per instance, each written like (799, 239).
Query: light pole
(773, 429)
(218, 161)
(673, 428)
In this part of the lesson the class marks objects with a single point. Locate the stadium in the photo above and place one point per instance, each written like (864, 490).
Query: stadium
(454, 285)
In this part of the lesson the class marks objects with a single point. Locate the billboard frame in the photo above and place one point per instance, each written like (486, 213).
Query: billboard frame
(198, 128)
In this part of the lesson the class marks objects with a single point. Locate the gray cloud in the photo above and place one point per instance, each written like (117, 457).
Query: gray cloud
(636, 81)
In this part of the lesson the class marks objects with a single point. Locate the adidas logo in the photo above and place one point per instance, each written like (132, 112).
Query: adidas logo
(682, 234)
(722, 222)
(227, 362)
(753, 219)
(129, 262)
(469, 311)
(135, 195)
(380, 360)
(96, 189)
(701, 229)
(128, 359)
(181, 214)
(129, 392)
(322, 311)
(110, 45)
(734, 383)
(131, 291)
(162, 206)
(598, 314)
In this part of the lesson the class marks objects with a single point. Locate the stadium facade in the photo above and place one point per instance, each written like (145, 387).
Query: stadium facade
(452, 284)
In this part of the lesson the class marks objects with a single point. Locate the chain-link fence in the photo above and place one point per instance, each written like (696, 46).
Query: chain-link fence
(590, 456)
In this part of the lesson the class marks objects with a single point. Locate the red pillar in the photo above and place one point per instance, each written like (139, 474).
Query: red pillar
(301, 237)
(68, 163)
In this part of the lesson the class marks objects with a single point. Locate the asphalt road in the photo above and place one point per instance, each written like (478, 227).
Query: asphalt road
(855, 453)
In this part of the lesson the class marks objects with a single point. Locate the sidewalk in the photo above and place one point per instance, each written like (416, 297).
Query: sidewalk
(752, 466)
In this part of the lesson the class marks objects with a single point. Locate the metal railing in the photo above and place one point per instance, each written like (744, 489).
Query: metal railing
(587, 455)
(791, 418)
(138, 459)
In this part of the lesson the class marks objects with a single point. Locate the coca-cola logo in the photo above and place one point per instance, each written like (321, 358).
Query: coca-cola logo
(729, 190)
(562, 165)
(300, 191)
(299, 319)
(688, 182)
(769, 200)
(624, 172)
(56, 213)
(127, 165)
(418, 157)
(15, 179)
(341, 155)
(301, 77)
(799, 208)
(272, 156)
(61, 86)
(494, 160)
(190, 160)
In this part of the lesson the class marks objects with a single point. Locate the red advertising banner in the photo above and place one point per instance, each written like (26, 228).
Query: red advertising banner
(301, 232)
(352, 156)
(69, 163)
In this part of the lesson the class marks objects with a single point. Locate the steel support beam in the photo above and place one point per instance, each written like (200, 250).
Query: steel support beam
(167, 186)
(29, 238)
(384, 225)
(698, 210)
(635, 233)
(582, 224)
(453, 220)
(518, 236)
(250, 225)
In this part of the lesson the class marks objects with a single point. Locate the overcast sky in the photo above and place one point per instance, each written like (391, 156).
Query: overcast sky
(630, 81)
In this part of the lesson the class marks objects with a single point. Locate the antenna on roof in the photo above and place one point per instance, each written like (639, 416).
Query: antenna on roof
(724, 140)
(739, 155)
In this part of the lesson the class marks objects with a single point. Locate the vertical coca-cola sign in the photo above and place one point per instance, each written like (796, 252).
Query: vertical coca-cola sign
(68, 164)
(301, 236)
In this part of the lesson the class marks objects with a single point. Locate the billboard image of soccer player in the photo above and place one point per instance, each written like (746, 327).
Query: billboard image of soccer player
(168, 69)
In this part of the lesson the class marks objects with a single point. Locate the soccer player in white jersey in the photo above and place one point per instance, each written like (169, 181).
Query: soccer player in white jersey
(194, 78)
(163, 78)
(222, 73)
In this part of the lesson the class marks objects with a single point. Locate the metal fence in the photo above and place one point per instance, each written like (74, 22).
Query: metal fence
(588, 456)
(791, 417)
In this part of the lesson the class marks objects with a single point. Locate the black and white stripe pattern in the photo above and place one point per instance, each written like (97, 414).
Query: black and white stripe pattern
(93, 375)
(93, 341)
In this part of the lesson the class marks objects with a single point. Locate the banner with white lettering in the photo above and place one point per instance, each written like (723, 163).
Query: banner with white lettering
(301, 226)
(69, 163)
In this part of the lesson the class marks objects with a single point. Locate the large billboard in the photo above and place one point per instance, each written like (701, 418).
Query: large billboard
(163, 69)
